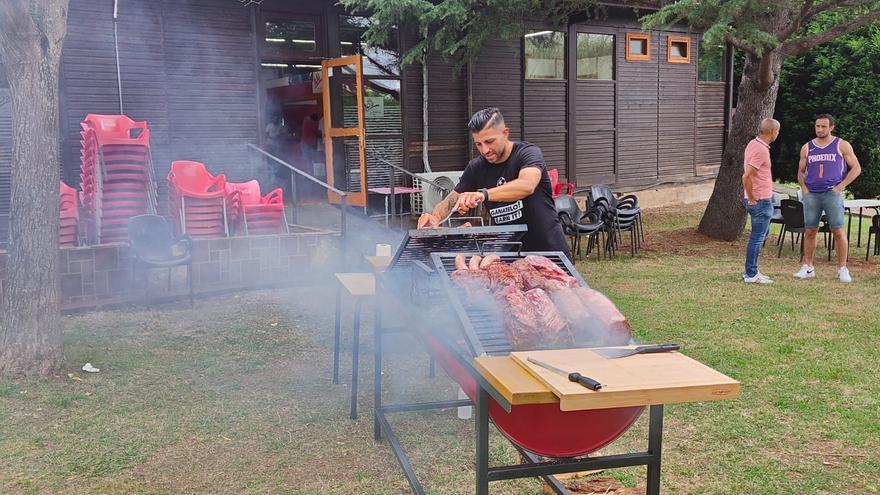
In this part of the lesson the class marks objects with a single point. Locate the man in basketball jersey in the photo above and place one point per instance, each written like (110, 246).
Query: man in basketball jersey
(827, 166)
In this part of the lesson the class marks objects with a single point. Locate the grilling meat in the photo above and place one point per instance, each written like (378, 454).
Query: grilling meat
(474, 282)
(460, 263)
(502, 275)
(488, 260)
(549, 270)
(613, 328)
(474, 263)
(542, 306)
(554, 331)
(520, 318)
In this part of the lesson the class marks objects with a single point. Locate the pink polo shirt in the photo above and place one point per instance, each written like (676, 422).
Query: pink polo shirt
(757, 156)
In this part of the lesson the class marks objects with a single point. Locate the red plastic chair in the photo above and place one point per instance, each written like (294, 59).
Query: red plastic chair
(117, 129)
(199, 200)
(260, 214)
(557, 188)
(69, 216)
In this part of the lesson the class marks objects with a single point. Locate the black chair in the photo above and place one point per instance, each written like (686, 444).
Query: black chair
(874, 230)
(624, 206)
(793, 223)
(616, 223)
(153, 245)
(577, 223)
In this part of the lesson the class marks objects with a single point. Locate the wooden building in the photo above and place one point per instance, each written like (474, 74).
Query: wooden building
(607, 102)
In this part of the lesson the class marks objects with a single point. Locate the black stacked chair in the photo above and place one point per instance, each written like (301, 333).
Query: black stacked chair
(153, 245)
(623, 214)
(875, 231)
(577, 223)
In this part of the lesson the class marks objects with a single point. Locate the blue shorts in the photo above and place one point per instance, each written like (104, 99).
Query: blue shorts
(830, 202)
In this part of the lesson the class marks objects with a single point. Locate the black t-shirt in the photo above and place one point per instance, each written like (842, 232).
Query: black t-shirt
(537, 210)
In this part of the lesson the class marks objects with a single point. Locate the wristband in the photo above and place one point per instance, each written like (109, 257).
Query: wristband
(485, 194)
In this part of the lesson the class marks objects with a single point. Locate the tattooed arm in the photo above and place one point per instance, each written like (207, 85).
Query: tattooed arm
(429, 220)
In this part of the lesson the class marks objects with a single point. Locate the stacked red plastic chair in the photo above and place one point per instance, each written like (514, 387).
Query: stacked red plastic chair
(199, 201)
(259, 214)
(116, 175)
(68, 234)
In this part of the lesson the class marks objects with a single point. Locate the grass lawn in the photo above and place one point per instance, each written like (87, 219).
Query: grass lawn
(235, 396)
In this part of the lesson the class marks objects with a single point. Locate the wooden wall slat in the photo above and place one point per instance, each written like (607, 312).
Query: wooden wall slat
(497, 82)
(677, 111)
(638, 87)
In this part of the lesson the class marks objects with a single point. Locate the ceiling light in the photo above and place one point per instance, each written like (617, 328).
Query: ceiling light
(273, 65)
(347, 43)
(275, 40)
(537, 33)
(303, 41)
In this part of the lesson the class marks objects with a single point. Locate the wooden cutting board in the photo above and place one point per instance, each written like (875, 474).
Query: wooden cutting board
(638, 380)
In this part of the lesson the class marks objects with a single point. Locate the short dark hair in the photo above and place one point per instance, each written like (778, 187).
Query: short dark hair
(487, 117)
(826, 116)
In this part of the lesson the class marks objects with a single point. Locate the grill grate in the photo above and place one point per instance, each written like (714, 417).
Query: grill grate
(483, 326)
(418, 245)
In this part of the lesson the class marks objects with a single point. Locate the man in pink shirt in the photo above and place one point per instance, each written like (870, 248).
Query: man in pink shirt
(758, 196)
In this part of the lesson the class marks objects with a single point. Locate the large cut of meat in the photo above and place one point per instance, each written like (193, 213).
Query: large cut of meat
(502, 275)
(553, 329)
(609, 325)
(549, 270)
(535, 279)
(520, 318)
(474, 282)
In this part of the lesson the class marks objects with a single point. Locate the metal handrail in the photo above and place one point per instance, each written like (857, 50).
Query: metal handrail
(343, 196)
(392, 167)
(298, 171)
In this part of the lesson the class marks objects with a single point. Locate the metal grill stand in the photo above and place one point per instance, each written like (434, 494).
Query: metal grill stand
(484, 472)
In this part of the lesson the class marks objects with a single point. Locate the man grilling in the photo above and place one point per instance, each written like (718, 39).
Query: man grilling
(511, 180)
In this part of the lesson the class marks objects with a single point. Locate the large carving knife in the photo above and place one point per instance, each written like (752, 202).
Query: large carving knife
(573, 376)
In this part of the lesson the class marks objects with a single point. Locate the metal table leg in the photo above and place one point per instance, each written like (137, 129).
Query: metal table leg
(355, 355)
(482, 447)
(377, 371)
(655, 439)
(337, 334)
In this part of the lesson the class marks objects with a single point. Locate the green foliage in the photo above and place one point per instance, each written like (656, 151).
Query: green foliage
(746, 20)
(458, 28)
(838, 78)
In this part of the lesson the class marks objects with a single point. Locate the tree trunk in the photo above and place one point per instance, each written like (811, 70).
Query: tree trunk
(31, 35)
(725, 215)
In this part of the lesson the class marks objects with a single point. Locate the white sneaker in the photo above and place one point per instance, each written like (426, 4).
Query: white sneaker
(806, 271)
(757, 279)
(843, 275)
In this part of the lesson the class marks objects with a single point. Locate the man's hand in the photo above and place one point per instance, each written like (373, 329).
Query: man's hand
(428, 221)
(467, 201)
(838, 188)
(752, 202)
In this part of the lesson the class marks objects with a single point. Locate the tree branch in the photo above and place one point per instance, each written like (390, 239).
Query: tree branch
(800, 45)
(741, 44)
(796, 24)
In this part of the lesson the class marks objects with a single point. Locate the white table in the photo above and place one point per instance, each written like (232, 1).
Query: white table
(861, 204)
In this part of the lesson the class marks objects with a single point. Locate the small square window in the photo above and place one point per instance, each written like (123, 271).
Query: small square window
(638, 46)
(678, 49)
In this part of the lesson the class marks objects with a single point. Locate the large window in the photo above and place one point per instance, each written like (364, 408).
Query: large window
(290, 37)
(545, 55)
(595, 56)
(709, 63)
